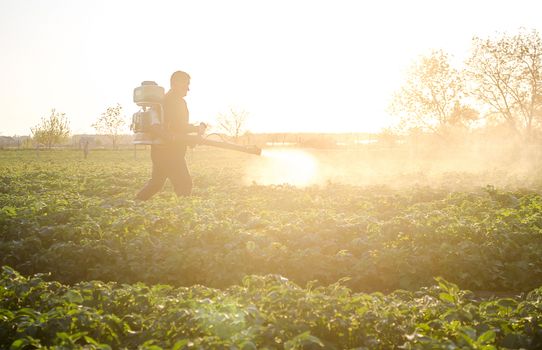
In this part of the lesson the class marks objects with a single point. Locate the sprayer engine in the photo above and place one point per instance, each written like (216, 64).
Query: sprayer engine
(150, 116)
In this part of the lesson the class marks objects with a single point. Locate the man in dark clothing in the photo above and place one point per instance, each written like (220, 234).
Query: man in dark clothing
(168, 157)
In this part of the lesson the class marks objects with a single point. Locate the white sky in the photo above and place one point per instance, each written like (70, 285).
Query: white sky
(315, 66)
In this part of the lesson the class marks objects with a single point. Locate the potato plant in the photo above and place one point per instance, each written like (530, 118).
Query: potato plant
(263, 312)
(381, 266)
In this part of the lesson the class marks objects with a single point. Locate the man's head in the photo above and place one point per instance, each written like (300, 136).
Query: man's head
(180, 82)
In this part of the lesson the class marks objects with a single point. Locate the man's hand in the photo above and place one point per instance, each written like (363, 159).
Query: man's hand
(201, 128)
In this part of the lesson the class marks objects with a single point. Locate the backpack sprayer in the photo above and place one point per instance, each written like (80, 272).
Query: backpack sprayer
(150, 117)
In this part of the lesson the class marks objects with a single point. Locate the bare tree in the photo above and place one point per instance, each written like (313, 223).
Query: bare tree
(110, 123)
(506, 75)
(51, 130)
(432, 97)
(233, 123)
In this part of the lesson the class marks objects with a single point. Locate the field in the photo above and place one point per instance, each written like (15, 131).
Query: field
(396, 258)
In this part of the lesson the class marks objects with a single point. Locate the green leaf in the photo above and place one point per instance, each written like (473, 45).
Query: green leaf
(73, 297)
(19, 344)
(97, 345)
(63, 336)
(9, 271)
(304, 338)
(149, 345)
(10, 211)
(466, 338)
(180, 344)
(487, 337)
(447, 297)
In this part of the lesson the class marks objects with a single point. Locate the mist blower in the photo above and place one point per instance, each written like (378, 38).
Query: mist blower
(149, 96)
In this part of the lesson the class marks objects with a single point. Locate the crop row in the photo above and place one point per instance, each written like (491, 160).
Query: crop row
(265, 312)
(77, 221)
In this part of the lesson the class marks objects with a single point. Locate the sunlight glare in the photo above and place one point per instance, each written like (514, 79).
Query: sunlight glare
(283, 166)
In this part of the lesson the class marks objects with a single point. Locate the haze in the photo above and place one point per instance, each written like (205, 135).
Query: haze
(315, 66)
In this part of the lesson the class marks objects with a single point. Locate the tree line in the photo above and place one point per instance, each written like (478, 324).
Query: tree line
(499, 84)
(55, 128)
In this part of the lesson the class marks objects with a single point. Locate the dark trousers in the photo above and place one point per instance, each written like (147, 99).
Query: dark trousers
(167, 163)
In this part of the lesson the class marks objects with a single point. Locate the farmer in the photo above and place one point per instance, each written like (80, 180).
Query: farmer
(168, 158)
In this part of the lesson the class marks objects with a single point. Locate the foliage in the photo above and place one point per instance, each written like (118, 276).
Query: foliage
(503, 76)
(264, 312)
(111, 123)
(506, 72)
(76, 220)
(51, 130)
(432, 97)
(160, 261)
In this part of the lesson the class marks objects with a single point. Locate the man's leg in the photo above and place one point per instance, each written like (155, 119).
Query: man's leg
(158, 178)
(180, 178)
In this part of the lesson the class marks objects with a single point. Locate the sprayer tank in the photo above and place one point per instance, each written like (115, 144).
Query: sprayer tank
(148, 93)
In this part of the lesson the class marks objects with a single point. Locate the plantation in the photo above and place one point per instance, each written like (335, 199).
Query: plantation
(253, 266)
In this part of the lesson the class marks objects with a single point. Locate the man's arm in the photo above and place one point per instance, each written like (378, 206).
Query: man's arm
(197, 129)
(189, 136)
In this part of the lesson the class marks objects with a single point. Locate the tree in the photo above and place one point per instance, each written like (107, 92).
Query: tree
(51, 130)
(110, 123)
(432, 97)
(233, 123)
(506, 75)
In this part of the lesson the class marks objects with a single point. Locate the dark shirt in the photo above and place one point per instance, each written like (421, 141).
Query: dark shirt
(175, 115)
(175, 125)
